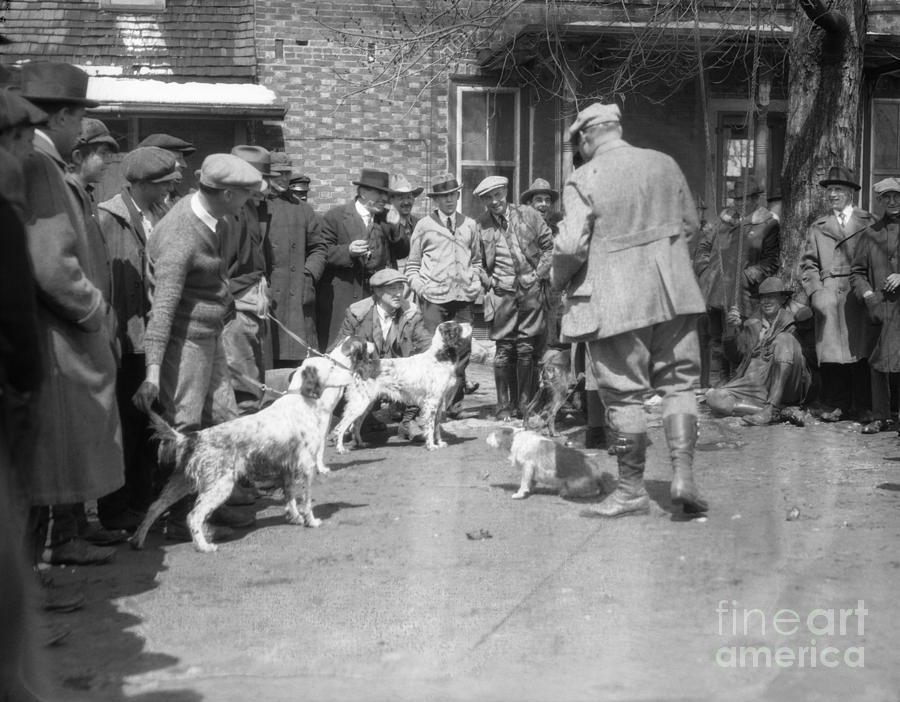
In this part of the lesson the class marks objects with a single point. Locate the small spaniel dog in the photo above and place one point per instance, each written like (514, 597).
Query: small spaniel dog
(546, 462)
(426, 379)
(557, 384)
(280, 441)
(354, 353)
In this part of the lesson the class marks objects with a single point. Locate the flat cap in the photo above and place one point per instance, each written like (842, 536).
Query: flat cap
(280, 162)
(224, 171)
(150, 163)
(16, 111)
(93, 131)
(52, 81)
(167, 141)
(598, 113)
(888, 185)
(490, 183)
(386, 276)
(256, 156)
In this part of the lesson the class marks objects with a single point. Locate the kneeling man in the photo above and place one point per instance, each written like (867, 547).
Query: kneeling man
(773, 373)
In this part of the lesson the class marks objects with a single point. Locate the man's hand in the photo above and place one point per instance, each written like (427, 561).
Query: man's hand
(148, 392)
(359, 247)
(891, 283)
(733, 318)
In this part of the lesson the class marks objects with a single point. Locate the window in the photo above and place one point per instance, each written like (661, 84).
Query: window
(133, 5)
(885, 157)
(737, 155)
(487, 139)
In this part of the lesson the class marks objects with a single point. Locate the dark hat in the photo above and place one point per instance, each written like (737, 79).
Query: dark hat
(377, 180)
(386, 276)
(16, 111)
(256, 156)
(444, 184)
(224, 171)
(167, 141)
(838, 175)
(401, 186)
(150, 163)
(49, 81)
(537, 187)
(773, 286)
(93, 131)
(300, 181)
(745, 184)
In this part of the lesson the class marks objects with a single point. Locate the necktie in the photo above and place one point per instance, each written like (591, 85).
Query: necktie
(450, 223)
(391, 337)
(841, 218)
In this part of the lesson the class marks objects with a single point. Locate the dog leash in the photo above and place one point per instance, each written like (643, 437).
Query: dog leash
(310, 351)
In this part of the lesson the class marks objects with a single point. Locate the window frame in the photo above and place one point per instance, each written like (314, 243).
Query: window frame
(132, 5)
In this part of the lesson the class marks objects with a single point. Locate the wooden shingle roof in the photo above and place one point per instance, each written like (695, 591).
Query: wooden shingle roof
(189, 39)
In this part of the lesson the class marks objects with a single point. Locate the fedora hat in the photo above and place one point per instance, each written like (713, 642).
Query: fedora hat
(773, 286)
(746, 184)
(839, 175)
(370, 178)
(256, 156)
(537, 187)
(444, 184)
(50, 81)
(401, 186)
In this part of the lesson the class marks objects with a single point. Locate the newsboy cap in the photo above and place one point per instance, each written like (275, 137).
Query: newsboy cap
(150, 163)
(16, 111)
(256, 156)
(386, 276)
(490, 183)
(537, 187)
(93, 131)
(280, 162)
(50, 81)
(169, 142)
(225, 171)
(888, 185)
(597, 113)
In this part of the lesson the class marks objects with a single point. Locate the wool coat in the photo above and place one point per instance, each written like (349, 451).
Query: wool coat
(622, 248)
(843, 331)
(362, 320)
(79, 440)
(735, 256)
(346, 277)
(297, 263)
(877, 255)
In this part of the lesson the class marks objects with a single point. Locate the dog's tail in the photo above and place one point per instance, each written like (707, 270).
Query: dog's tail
(169, 439)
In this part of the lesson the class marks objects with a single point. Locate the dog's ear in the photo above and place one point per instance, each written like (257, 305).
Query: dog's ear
(354, 348)
(311, 384)
(449, 333)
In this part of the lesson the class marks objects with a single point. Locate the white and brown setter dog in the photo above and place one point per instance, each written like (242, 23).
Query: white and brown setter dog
(281, 441)
(427, 380)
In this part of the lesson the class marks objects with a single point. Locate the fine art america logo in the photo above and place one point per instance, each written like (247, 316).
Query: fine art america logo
(828, 638)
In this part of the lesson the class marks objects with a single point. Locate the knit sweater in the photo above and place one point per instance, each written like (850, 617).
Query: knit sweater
(188, 291)
(444, 265)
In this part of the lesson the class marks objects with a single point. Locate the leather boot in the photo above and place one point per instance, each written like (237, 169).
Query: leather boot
(525, 383)
(681, 435)
(504, 378)
(630, 496)
(770, 414)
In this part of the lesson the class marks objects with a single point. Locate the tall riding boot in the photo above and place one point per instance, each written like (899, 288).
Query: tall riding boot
(504, 379)
(524, 382)
(630, 496)
(771, 413)
(681, 435)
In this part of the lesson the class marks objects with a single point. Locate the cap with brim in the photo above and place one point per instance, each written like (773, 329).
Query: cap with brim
(150, 164)
(300, 182)
(772, 286)
(93, 131)
(745, 186)
(492, 182)
(370, 178)
(167, 141)
(256, 156)
(49, 81)
(386, 276)
(280, 162)
(227, 171)
(444, 184)
(888, 185)
(538, 187)
(597, 113)
(16, 111)
(401, 186)
(838, 175)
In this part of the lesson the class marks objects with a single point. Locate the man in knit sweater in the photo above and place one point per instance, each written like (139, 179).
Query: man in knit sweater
(186, 367)
(444, 265)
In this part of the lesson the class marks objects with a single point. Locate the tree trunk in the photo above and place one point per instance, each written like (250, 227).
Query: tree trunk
(824, 116)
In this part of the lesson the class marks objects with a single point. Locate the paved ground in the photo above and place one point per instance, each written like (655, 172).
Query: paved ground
(392, 600)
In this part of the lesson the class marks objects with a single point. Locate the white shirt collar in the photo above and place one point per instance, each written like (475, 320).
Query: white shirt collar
(847, 211)
(199, 210)
(363, 212)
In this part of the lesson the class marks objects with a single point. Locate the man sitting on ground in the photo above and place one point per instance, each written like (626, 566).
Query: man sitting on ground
(395, 327)
(773, 373)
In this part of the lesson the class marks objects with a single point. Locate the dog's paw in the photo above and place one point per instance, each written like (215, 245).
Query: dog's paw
(136, 543)
(206, 548)
(520, 495)
(295, 519)
(323, 469)
(312, 522)
(441, 444)
(341, 449)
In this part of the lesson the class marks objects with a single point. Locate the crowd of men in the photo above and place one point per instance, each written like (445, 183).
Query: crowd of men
(185, 302)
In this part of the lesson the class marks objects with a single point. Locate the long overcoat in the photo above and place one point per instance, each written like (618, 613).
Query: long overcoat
(79, 442)
(297, 263)
(622, 248)
(346, 277)
(877, 255)
(843, 331)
